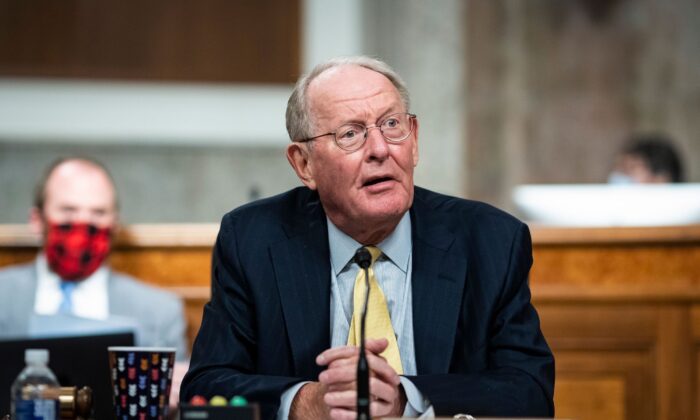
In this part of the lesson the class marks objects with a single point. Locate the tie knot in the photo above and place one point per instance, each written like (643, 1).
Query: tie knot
(375, 252)
(67, 287)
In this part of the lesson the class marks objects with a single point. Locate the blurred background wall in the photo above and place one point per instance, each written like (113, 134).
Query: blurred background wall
(184, 101)
(556, 87)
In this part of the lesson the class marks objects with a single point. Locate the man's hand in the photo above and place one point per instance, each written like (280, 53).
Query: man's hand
(308, 403)
(386, 393)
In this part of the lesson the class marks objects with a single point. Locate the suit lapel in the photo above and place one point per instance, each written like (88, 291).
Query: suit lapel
(437, 280)
(302, 270)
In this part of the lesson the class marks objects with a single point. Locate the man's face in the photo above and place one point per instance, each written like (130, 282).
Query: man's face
(373, 185)
(638, 170)
(77, 192)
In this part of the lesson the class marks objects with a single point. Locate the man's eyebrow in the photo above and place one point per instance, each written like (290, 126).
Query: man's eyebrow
(394, 109)
(391, 111)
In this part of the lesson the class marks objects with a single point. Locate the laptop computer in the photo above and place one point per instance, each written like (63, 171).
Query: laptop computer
(76, 361)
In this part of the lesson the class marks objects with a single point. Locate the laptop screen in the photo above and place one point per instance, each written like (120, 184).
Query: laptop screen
(76, 361)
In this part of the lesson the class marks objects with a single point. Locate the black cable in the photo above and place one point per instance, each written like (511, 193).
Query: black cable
(363, 258)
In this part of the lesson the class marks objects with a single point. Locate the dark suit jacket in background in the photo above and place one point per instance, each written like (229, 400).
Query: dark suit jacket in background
(479, 348)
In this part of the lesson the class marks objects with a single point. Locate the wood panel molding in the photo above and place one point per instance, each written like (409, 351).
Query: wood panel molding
(547, 235)
(175, 40)
(205, 233)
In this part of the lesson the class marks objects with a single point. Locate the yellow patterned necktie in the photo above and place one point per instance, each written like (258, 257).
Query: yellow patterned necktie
(378, 322)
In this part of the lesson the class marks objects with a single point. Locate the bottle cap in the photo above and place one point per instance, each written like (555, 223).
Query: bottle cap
(36, 356)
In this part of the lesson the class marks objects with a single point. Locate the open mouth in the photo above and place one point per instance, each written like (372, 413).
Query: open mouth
(375, 181)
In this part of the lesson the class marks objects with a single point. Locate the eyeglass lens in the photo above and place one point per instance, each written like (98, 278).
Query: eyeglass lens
(396, 127)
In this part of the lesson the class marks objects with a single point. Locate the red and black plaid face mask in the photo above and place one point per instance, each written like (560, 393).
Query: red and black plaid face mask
(76, 250)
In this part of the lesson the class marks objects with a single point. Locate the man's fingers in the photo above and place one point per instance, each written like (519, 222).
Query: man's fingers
(345, 386)
(343, 405)
(372, 345)
(342, 399)
(377, 409)
(345, 370)
(335, 353)
(338, 376)
(343, 414)
(382, 390)
(380, 408)
(381, 368)
(347, 361)
(376, 345)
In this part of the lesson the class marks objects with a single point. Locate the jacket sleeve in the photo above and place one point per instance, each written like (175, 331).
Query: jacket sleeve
(518, 376)
(225, 356)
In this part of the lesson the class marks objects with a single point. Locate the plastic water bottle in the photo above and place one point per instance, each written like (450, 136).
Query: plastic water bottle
(35, 391)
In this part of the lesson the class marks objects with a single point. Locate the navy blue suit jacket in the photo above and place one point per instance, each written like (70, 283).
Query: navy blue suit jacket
(479, 348)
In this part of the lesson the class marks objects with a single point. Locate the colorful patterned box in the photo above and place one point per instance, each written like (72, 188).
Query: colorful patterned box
(141, 380)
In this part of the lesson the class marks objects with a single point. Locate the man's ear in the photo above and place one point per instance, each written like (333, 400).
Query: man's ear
(299, 157)
(36, 222)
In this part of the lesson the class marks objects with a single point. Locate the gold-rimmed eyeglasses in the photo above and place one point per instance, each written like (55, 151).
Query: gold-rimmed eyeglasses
(395, 128)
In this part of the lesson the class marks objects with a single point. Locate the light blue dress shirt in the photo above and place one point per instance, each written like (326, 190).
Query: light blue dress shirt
(393, 272)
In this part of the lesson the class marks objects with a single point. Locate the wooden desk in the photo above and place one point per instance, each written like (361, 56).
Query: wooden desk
(620, 307)
(621, 310)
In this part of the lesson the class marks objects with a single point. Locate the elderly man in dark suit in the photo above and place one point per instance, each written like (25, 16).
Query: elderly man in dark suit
(451, 329)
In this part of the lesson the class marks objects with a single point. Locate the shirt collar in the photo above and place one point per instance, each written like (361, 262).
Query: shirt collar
(47, 280)
(397, 246)
(90, 296)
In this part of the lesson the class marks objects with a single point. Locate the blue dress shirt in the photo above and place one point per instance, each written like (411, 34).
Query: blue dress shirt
(393, 273)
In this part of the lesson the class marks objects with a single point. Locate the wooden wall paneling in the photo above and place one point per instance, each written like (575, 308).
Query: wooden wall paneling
(597, 397)
(584, 379)
(604, 358)
(695, 349)
(10, 255)
(179, 40)
(597, 326)
(618, 265)
(166, 266)
(627, 291)
(674, 363)
(162, 266)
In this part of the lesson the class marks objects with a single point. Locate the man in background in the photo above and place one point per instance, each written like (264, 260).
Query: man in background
(69, 288)
(450, 326)
(647, 159)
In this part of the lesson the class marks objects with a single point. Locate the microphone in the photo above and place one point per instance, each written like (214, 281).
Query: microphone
(363, 258)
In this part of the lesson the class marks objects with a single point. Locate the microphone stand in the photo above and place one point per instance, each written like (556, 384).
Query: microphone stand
(363, 258)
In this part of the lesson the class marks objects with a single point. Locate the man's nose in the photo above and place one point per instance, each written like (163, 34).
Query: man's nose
(86, 215)
(376, 144)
